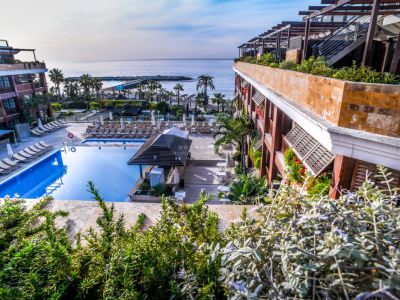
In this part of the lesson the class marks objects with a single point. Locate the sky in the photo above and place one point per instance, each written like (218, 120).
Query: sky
(85, 30)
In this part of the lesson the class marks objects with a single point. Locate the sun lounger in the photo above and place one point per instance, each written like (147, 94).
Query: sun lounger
(5, 171)
(111, 133)
(49, 127)
(42, 143)
(139, 133)
(6, 167)
(132, 134)
(36, 132)
(30, 152)
(21, 158)
(37, 150)
(10, 162)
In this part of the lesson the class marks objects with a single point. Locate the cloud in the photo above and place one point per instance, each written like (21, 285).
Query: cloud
(132, 29)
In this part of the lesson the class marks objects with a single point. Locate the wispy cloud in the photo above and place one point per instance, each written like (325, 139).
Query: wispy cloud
(123, 29)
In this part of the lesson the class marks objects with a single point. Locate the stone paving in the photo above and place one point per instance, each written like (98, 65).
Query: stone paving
(199, 175)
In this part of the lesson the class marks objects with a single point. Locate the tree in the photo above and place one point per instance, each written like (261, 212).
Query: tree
(233, 130)
(178, 88)
(97, 85)
(204, 83)
(86, 84)
(57, 77)
(219, 99)
(71, 88)
(35, 106)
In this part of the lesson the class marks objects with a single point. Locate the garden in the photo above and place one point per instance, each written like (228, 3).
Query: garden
(293, 248)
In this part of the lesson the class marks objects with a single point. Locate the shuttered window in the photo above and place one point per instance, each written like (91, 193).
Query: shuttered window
(361, 169)
(258, 98)
(315, 157)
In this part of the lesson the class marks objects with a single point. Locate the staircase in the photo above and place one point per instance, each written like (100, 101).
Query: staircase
(344, 40)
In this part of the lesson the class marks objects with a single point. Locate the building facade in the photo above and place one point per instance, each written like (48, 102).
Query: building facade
(18, 82)
(333, 126)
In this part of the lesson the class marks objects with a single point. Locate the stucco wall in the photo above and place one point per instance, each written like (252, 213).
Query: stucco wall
(370, 107)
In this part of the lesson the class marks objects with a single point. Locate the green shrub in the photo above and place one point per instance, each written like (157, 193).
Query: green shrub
(94, 105)
(160, 190)
(75, 105)
(319, 185)
(56, 106)
(246, 189)
(296, 170)
(319, 66)
(145, 185)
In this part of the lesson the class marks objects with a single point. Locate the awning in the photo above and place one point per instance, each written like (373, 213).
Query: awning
(164, 150)
(258, 98)
(244, 83)
(315, 157)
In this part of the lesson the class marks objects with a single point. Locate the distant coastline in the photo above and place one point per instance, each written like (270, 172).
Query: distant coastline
(153, 59)
(132, 78)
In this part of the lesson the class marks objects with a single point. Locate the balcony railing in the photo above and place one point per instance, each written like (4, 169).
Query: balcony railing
(4, 66)
(4, 90)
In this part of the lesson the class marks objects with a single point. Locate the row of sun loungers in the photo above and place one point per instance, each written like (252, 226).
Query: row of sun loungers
(200, 127)
(46, 128)
(27, 155)
(115, 132)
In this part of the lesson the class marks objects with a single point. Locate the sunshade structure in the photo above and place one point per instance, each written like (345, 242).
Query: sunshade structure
(177, 132)
(164, 150)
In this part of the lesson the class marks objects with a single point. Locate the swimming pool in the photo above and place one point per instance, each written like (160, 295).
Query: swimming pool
(64, 175)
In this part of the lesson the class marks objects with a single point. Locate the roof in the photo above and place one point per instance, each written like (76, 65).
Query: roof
(164, 151)
(177, 132)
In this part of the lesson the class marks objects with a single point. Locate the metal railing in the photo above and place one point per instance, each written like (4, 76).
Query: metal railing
(339, 40)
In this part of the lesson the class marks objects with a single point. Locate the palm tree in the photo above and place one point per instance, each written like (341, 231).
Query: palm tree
(178, 88)
(34, 106)
(97, 85)
(233, 130)
(205, 82)
(86, 84)
(57, 77)
(219, 99)
(197, 101)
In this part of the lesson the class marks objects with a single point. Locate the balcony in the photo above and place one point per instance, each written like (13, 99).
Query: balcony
(22, 66)
(363, 106)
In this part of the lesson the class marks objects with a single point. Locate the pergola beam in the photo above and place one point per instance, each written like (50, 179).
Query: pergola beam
(371, 33)
(396, 57)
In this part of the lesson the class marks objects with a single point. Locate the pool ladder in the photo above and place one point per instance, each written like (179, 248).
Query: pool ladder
(53, 187)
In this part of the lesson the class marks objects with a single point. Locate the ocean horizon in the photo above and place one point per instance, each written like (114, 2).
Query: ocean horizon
(219, 68)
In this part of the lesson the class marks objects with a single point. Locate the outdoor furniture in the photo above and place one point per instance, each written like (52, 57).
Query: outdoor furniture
(225, 200)
(221, 165)
(7, 167)
(10, 162)
(180, 196)
(221, 175)
(224, 189)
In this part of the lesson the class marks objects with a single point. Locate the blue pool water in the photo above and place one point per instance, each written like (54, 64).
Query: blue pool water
(65, 175)
(113, 141)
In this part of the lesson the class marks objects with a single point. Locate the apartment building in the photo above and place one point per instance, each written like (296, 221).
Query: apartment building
(19, 80)
(333, 126)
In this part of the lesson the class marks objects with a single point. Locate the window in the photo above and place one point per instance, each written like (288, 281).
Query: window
(24, 78)
(5, 85)
(10, 106)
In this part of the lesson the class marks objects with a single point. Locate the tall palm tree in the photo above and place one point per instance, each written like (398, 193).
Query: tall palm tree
(57, 77)
(97, 85)
(204, 83)
(233, 130)
(219, 99)
(86, 84)
(178, 89)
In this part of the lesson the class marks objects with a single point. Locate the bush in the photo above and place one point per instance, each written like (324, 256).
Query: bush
(319, 185)
(296, 170)
(293, 248)
(160, 190)
(319, 66)
(247, 189)
(74, 105)
(56, 106)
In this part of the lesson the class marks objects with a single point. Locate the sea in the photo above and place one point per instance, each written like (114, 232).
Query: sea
(220, 69)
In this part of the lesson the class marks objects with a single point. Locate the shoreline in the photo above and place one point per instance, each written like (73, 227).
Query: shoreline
(132, 78)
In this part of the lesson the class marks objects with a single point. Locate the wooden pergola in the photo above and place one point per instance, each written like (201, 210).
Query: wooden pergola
(373, 8)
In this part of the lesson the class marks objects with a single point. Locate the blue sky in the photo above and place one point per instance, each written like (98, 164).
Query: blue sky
(71, 30)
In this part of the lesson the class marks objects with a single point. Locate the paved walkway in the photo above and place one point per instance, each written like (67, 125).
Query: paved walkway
(200, 175)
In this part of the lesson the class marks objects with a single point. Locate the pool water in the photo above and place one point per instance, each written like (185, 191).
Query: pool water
(113, 141)
(65, 175)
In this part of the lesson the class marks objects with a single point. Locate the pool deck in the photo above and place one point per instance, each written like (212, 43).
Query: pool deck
(83, 214)
(200, 175)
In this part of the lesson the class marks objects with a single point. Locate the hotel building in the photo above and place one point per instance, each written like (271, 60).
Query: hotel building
(335, 126)
(18, 81)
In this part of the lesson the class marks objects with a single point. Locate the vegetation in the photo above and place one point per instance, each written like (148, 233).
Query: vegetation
(319, 66)
(178, 89)
(220, 100)
(57, 77)
(294, 247)
(246, 189)
(233, 130)
(204, 83)
(319, 185)
(296, 170)
(35, 107)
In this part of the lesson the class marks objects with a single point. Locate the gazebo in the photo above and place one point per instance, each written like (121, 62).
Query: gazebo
(165, 150)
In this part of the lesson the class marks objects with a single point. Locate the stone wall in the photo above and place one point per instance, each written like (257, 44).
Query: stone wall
(369, 107)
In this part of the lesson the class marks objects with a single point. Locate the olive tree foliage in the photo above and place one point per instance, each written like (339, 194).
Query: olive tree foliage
(317, 248)
(294, 247)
